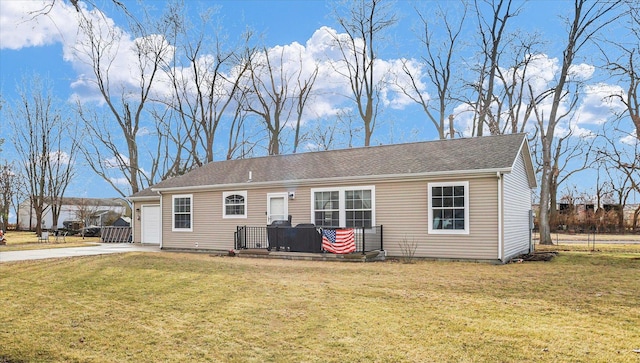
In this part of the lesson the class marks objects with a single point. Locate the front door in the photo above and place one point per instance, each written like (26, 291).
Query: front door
(277, 207)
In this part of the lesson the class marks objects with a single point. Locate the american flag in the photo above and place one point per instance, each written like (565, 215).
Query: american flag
(339, 241)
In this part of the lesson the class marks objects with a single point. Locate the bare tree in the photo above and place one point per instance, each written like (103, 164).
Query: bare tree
(364, 24)
(40, 133)
(61, 168)
(439, 62)
(304, 90)
(239, 141)
(116, 140)
(7, 191)
(1, 132)
(326, 135)
(85, 209)
(571, 154)
(502, 101)
(625, 67)
(278, 94)
(622, 160)
(269, 86)
(622, 165)
(492, 31)
(512, 100)
(49, 4)
(205, 85)
(587, 19)
(20, 190)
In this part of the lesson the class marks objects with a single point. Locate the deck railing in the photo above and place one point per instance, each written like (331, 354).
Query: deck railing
(280, 238)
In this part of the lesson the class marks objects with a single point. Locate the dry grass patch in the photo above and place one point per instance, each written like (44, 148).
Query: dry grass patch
(565, 237)
(137, 307)
(617, 248)
(20, 241)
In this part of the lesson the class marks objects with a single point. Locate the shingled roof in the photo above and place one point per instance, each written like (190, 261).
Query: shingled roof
(431, 157)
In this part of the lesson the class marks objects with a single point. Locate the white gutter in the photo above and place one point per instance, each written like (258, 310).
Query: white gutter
(500, 216)
(409, 176)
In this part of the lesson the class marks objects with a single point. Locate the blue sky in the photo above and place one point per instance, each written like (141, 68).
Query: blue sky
(42, 46)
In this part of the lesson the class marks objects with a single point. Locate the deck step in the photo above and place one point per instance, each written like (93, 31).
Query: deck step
(304, 256)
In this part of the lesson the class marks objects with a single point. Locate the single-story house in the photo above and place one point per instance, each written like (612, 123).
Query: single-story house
(467, 198)
(95, 211)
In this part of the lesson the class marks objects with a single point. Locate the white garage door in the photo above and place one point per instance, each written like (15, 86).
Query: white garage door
(150, 224)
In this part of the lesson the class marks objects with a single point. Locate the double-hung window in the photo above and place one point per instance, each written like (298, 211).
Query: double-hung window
(326, 208)
(449, 208)
(234, 204)
(357, 208)
(182, 213)
(343, 207)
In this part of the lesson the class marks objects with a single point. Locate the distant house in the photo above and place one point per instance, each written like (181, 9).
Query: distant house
(587, 216)
(461, 199)
(122, 222)
(95, 211)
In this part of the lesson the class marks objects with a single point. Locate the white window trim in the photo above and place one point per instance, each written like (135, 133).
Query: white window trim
(342, 201)
(224, 209)
(173, 213)
(464, 184)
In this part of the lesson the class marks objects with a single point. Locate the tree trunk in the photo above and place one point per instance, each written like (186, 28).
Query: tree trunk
(553, 209)
(543, 221)
(545, 192)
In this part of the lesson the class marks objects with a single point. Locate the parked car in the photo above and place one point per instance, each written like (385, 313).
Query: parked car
(91, 231)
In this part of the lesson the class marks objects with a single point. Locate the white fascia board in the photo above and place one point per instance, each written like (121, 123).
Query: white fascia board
(528, 163)
(144, 199)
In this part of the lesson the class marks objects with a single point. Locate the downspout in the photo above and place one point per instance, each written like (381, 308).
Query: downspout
(134, 225)
(500, 217)
(161, 220)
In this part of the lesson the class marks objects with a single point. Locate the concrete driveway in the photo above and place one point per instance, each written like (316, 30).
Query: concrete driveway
(100, 249)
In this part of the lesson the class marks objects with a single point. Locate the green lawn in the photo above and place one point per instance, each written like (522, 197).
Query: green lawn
(136, 307)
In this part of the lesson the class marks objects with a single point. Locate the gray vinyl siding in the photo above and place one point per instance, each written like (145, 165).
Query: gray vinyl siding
(401, 206)
(403, 210)
(517, 203)
(210, 231)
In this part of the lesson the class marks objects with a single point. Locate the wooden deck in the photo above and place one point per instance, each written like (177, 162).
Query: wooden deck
(304, 256)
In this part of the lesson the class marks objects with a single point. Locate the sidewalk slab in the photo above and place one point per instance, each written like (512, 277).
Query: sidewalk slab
(100, 249)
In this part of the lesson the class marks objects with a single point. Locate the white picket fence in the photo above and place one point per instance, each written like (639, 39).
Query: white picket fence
(116, 234)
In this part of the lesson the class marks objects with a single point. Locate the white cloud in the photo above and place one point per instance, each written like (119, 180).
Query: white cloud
(36, 23)
(62, 24)
(121, 68)
(630, 140)
(463, 120)
(121, 182)
(581, 71)
(116, 162)
(397, 80)
(563, 130)
(597, 104)
(143, 131)
(59, 157)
